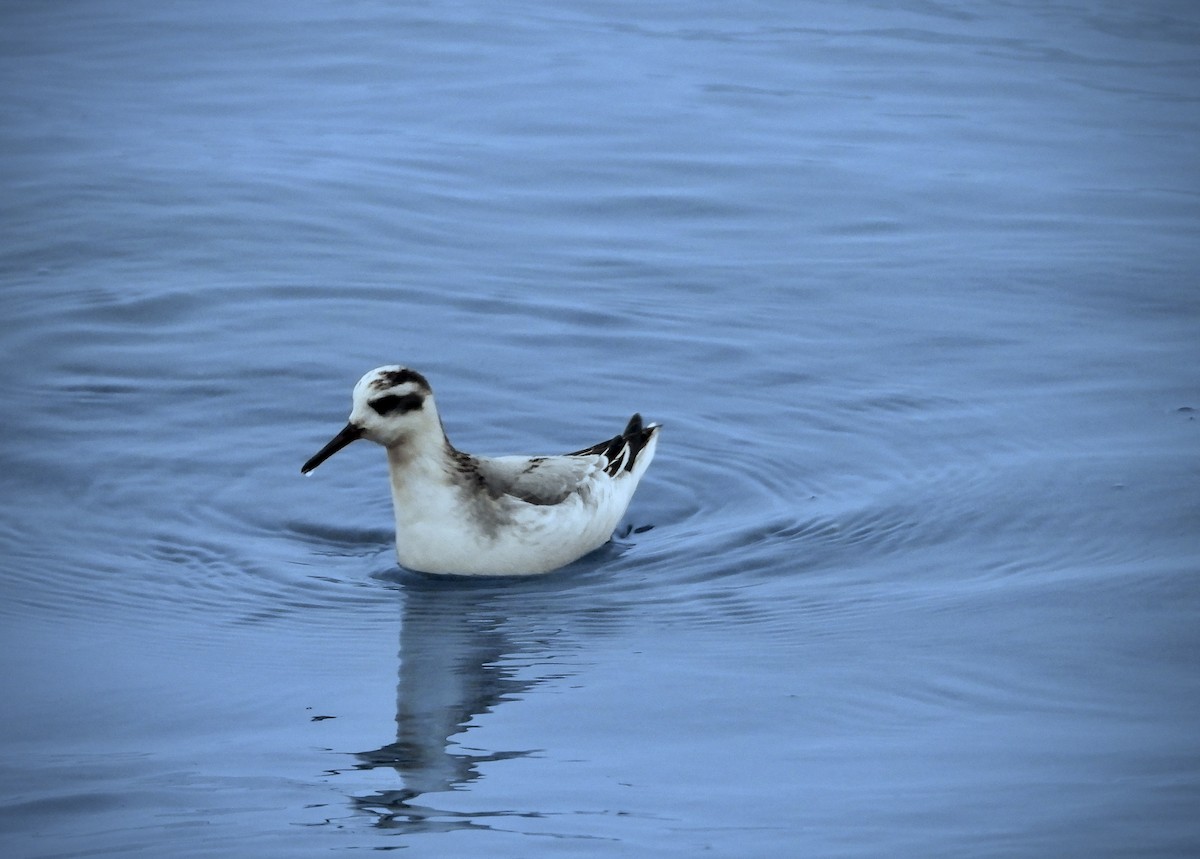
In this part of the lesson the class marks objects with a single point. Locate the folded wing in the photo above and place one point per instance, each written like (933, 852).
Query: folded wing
(540, 479)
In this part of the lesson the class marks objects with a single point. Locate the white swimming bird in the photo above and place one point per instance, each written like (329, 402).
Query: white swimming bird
(473, 515)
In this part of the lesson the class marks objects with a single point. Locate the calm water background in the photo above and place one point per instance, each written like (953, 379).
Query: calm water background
(914, 286)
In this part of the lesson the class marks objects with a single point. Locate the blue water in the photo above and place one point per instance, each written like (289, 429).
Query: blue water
(913, 286)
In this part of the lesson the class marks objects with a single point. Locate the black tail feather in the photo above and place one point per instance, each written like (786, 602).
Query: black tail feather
(622, 450)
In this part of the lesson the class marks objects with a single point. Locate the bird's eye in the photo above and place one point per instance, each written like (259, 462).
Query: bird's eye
(397, 404)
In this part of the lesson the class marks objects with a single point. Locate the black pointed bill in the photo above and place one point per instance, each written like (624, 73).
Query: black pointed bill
(348, 434)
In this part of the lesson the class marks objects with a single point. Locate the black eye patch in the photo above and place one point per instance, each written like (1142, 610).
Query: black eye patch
(397, 404)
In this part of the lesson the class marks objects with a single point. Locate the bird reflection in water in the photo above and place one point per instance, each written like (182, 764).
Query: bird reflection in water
(460, 649)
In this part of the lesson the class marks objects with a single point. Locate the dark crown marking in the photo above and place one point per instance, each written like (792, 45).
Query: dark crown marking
(397, 404)
(395, 378)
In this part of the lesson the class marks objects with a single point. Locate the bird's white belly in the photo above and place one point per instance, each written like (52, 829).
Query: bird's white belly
(437, 533)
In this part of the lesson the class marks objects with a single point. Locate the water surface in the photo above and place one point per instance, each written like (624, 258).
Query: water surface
(913, 287)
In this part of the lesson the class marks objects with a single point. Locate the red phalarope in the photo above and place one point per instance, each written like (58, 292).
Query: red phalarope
(474, 515)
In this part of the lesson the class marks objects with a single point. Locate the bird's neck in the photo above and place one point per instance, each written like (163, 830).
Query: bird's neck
(424, 461)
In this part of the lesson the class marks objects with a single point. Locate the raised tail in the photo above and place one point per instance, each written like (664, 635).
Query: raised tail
(633, 447)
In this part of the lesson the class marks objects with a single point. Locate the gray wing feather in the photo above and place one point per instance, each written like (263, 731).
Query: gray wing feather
(540, 479)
